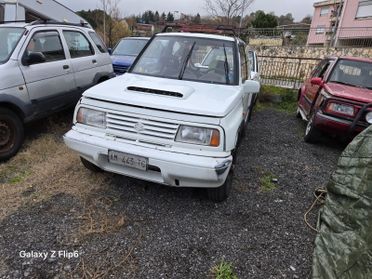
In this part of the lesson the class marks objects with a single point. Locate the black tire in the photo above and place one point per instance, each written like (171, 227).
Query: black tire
(312, 134)
(11, 134)
(90, 166)
(221, 193)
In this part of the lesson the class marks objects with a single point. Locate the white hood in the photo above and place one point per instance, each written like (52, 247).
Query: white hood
(197, 97)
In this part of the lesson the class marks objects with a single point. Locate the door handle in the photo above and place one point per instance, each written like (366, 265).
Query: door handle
(65, 67)
(94, 61)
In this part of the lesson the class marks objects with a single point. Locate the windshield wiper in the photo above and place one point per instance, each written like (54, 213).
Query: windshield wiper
(183, 69)
(226, 64)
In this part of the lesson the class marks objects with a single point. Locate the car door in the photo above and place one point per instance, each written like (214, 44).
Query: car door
(50, 80)
(83, 56)
(312, 90)
(244, 72)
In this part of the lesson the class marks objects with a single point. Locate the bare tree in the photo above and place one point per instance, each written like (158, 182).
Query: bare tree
(227, 9)
(111, 14)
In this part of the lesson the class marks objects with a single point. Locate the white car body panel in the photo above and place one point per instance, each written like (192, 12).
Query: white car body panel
(217, 106)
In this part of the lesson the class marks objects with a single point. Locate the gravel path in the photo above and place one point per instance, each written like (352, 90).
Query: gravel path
(151, 231)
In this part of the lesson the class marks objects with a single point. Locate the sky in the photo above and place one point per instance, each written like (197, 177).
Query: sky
(298, 8)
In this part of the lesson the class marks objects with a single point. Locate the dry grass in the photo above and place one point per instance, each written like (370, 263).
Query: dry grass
(44, 167)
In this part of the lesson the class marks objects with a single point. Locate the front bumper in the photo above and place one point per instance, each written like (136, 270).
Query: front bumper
(338, 126)
(165, 167)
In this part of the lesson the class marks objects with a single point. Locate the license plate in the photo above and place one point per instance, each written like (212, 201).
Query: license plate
(128, 160)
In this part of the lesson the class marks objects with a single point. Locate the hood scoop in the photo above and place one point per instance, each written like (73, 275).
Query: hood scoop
(155, 91)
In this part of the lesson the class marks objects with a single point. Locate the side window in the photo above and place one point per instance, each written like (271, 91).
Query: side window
(47, 43)
(78, 44)
(243, 63)
(321, 69)
(99, 43)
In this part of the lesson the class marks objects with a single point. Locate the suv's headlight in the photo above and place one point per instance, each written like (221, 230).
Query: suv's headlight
(91, 117)
(198, 135)
(338, 108)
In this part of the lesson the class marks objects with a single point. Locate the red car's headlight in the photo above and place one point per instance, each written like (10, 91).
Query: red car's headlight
(342, 109)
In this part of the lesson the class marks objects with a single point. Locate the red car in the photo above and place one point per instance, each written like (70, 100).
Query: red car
(337, 98)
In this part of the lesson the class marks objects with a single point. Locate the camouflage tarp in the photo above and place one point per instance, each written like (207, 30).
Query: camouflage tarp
(344, 242)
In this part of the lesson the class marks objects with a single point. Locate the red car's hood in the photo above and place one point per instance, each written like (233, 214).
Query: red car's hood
(349, 92)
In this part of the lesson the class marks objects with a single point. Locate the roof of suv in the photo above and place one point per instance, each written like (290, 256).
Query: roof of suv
(36, 24)
(199, 35)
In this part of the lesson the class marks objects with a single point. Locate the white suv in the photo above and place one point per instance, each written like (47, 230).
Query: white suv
(44, 67)
(175, 118)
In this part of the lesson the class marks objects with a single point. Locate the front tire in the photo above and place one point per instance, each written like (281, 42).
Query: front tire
(221, 193)
(312, 134)
(11, 134)
(90, 166)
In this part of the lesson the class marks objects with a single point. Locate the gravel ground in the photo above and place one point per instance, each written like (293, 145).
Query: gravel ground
(136, 229)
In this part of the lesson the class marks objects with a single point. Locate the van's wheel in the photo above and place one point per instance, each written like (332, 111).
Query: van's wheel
(90, 166)
(11, 134)
(312, 134)
(221, 193)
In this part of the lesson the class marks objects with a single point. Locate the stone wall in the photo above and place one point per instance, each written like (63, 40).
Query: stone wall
(311, 52)
(289, 66)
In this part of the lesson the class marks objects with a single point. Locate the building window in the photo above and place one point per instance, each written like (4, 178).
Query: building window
(320, 30)
(364, 9)
(324, 11)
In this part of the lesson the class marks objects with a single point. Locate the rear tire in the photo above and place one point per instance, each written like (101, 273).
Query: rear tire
(312, 134)
(221, 193)
(90, 166)
(11, 134)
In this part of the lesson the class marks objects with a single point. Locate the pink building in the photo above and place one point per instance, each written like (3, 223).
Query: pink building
(341, 23)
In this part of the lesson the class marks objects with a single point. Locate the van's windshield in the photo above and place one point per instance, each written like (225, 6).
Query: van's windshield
(9, 37)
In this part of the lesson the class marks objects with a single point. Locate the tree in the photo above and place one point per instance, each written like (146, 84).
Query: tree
(227, 9)
(263, 20)
(163, 16)
(170, 17)
(307, 19)
(197, 19)
(111, 13)
(156, 17)
(286, 19)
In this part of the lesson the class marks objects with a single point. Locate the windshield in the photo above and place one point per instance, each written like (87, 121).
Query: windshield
(194, 59)
(353, 73)
(9, 37)
(131, 47)
(251, 61)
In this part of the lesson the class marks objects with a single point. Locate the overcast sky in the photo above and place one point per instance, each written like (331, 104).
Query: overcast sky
(298, 8)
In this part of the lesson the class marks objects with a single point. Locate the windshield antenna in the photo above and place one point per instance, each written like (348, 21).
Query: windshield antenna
(183, 69)
(226, 66)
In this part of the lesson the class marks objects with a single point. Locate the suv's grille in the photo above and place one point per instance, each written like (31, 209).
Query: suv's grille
(118, 69)
(126, 125)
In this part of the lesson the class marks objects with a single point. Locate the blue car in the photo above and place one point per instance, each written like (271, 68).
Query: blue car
(125, 52)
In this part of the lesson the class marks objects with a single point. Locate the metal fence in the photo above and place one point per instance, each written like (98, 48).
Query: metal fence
(320, 36)
(289, 72)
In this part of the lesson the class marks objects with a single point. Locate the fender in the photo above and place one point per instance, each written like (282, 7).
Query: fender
(24, 110)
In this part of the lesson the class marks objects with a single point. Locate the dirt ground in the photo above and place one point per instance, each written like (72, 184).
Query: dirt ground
(108, 226)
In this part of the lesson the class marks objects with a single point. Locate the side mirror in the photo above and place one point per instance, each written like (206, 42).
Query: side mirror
(34, 58)
(109, 50)
(251, 86)
(317, 81)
